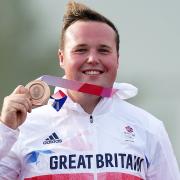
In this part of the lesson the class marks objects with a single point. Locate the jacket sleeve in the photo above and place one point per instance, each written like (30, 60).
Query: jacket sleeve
(9, 163)
(8, 137)
(163, 165)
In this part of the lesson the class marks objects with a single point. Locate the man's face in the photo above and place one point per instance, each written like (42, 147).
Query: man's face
(89, 53)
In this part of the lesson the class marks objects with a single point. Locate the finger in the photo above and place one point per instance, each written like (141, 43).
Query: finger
(18, 107)
(29, 104)
(19, 99)
(14, 115)
(18, 89)
(23, 101)
(22, 90)
(24, 97)
(21, 113)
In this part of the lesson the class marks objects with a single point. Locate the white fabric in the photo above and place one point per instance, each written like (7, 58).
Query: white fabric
(8, 137)
(117, 138)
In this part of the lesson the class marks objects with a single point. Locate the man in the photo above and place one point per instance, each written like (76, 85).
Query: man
(90, 137)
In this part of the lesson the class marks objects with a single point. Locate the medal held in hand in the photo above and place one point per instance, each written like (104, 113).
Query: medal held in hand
(39, 92)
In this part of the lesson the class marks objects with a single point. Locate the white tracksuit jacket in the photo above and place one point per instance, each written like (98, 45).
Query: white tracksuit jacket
(117, 142)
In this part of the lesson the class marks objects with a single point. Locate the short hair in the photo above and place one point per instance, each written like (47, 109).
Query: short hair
(79, 12)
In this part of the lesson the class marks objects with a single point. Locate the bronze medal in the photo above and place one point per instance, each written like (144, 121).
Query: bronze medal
(39, 92)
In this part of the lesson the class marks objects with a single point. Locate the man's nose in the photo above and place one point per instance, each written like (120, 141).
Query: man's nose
(93, 58)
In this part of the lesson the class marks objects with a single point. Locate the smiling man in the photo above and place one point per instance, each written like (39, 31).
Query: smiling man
(90, 137)
(89, 54)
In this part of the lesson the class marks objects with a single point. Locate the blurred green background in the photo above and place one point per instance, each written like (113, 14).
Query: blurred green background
(149, 49)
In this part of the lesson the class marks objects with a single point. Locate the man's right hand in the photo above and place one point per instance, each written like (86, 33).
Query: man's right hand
(15, 107)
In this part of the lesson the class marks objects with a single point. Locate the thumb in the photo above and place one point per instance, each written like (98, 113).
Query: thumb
(20, 90)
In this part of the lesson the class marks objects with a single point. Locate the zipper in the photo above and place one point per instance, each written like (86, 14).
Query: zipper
(91, 118)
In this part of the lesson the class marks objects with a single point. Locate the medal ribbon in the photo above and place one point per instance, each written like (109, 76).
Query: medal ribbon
(78, 86)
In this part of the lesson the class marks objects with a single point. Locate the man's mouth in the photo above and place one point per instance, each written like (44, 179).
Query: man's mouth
(92, 72)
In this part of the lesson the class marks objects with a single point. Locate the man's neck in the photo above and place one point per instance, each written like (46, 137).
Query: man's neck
(88, 102)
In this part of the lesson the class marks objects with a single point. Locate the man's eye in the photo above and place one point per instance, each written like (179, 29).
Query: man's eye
(105, 51)
(80, 50)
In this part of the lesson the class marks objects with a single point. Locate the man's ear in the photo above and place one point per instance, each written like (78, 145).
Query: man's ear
(61, 58)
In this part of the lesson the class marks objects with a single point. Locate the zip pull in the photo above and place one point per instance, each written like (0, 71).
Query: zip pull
(91, 118)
